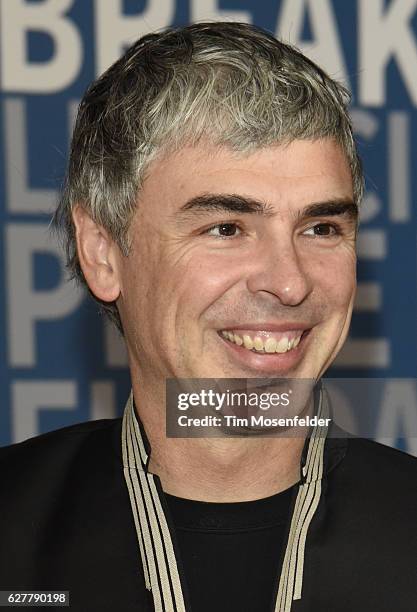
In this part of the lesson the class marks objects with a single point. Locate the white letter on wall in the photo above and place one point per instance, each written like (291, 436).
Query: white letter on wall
(20, 197)
(208, 9)
(325, 50)
(30, 397)
(114, 30)
(384, 35)
(25, 306)
(103, 400)
(17, 18)
(398, 414)
(399, 166)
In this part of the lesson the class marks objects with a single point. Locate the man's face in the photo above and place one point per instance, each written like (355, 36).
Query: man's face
(241, 266)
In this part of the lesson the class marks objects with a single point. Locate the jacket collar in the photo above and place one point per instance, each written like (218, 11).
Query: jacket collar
(155, 532)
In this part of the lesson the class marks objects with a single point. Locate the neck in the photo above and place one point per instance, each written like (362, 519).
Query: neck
(216, 469)
(227, 470)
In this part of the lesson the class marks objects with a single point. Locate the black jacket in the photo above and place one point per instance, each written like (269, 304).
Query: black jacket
(66, 524)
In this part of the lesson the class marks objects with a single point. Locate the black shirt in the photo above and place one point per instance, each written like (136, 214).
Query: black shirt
(231, 552)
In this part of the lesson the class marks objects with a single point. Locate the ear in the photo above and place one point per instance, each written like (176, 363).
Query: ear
(98, 255)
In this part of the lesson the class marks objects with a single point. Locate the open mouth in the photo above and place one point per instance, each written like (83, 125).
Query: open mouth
(265, 342)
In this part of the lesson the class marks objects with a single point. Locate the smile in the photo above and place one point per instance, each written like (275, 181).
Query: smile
(265, 341)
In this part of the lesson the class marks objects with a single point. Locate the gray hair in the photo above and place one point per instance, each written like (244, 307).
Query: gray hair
(231, 83)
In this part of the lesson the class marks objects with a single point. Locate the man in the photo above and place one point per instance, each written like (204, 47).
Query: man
(211, 208)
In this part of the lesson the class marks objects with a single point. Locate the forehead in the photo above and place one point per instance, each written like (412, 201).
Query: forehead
(285, 176)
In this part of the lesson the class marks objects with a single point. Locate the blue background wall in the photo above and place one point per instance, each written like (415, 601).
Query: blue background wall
(60, 363)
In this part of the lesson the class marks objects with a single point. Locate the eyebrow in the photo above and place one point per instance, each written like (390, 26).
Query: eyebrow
(232, 203)
(332, 208)
(226, 203)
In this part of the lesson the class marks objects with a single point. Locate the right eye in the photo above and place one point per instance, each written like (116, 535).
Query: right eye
(223, 230)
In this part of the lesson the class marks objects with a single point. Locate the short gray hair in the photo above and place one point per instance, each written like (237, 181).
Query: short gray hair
(231, 83)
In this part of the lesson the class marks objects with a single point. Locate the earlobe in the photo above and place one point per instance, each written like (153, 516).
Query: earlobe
(97, 253)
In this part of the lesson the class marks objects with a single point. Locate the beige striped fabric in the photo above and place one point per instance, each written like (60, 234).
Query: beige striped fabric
(307, 501)
(155, 542)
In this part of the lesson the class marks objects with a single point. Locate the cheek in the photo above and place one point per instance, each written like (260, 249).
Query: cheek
(334, 279)
(141, 294)
(201, 283)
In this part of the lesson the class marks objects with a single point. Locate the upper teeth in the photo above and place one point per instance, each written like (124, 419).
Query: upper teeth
(265, 345)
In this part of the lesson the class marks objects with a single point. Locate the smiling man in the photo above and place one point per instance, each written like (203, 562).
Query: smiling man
(211, 208)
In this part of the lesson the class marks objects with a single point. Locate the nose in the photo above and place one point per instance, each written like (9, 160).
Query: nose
(280, 271)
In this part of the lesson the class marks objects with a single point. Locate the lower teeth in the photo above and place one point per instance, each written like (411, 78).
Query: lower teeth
(263, 352)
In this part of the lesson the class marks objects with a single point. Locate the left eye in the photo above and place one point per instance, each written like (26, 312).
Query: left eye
(223, 230)
(321, 229)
